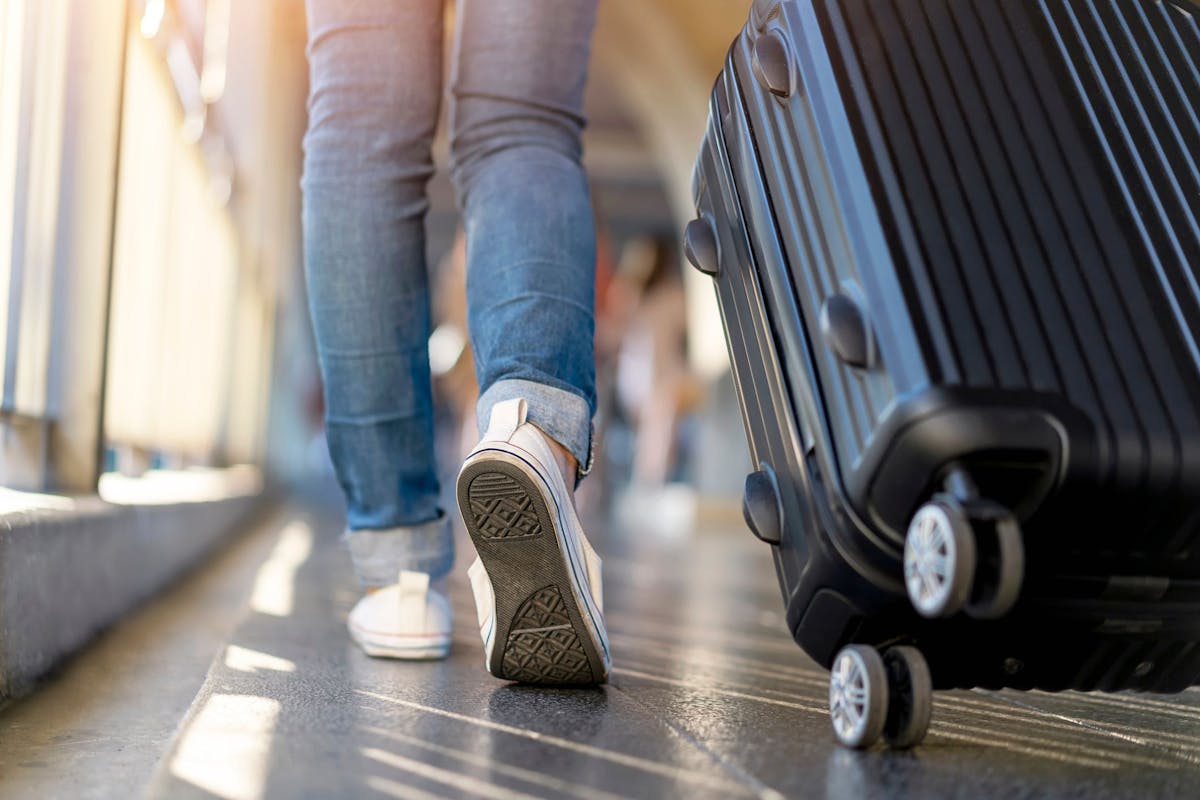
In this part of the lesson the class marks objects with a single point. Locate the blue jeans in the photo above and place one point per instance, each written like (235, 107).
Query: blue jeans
(518, 75)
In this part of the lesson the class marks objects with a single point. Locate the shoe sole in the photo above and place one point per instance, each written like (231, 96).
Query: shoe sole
(406, 653)
(540, 634)
(382, 649)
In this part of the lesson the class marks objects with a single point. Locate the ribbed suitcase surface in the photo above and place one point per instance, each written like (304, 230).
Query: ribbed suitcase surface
(1035, 167)
(1045, 156)
(1043, 274)
(1011, 191)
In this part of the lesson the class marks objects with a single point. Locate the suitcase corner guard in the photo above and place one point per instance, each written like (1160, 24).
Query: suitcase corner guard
(761, 506)
(700, 246)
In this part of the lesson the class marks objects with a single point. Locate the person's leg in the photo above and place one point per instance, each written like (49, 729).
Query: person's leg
(521, 67)
(373, 109)
(517, 115)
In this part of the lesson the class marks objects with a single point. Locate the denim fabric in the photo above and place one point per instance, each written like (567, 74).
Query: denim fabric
(379, 555)
(518, 75)
(560, 414)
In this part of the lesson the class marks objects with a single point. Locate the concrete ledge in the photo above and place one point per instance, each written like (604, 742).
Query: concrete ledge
(70, 567)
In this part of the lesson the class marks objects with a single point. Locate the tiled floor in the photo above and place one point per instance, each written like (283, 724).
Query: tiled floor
(709, 698)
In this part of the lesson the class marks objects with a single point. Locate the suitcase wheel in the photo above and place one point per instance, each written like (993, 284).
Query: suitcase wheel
(873, 696)
(858, 696)
(939, 559)
(960, 557)
(910, 697)
(998, 577)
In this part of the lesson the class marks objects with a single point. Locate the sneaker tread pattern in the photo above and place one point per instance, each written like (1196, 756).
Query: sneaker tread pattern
(539, 626)
(542, 646)
(502, 508)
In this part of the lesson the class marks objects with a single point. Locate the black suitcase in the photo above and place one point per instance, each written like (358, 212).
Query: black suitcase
(956, 248)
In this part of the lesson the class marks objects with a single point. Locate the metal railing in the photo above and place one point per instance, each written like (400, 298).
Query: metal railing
(37, 170)
(137, 298)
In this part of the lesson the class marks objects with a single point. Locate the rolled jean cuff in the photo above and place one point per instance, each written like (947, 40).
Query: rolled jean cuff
(562, 415)
(380, 555)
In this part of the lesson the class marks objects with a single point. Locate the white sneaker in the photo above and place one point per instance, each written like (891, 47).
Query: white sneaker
(406, 620)
(537, 580)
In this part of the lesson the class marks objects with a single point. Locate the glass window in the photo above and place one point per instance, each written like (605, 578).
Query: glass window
(12, 25)
(174, 279)
(33, 67)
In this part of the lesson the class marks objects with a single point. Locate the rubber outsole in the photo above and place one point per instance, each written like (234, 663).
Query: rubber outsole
(377, 649)
(540, 634)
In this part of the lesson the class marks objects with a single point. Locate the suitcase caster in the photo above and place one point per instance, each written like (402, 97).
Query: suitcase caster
(956, 560)
(858, 697)
(939, 559)
(910, 697)
(873, 697)
(1001, 554)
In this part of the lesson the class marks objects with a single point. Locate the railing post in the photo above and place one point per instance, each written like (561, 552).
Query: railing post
(91, 144)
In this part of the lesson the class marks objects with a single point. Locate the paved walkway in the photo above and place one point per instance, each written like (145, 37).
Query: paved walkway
(709, 698)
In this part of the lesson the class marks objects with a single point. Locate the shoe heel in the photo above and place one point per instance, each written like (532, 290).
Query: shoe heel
(540, 634)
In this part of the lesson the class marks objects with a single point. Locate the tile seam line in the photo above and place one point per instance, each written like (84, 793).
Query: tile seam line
(578, 790)
(624, 759)
(751, 782)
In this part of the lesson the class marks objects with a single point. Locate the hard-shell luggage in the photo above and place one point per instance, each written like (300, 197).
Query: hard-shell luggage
(956, 248)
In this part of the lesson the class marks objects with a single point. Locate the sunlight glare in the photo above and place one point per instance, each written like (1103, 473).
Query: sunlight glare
(274, 586)
(12, 501)
(152, 18)
(243, 659)
(225, 749)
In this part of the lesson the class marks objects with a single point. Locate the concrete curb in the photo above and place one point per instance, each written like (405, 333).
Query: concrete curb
(66, 574)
